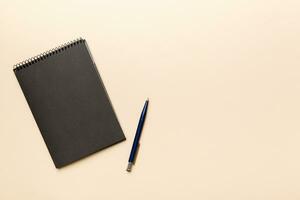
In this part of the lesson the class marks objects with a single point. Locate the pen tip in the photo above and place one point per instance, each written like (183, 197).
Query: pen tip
(148, 99)
(129, 167)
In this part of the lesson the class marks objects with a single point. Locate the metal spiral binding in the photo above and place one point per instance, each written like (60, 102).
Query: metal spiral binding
(46, 54)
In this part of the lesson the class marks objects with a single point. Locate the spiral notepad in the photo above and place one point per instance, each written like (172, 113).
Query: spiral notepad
(69, 102)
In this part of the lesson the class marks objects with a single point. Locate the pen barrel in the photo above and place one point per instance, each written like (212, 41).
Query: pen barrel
(138, 133)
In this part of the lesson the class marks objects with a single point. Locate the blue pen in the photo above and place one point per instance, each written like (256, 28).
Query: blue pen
(136, 141)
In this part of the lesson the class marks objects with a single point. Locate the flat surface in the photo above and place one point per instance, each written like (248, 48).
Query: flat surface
(70, 103)
(223, 79)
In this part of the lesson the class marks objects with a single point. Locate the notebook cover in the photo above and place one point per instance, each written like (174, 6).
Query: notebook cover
(69, 102)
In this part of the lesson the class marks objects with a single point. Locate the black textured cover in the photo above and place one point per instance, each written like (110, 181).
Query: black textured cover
(69, 102)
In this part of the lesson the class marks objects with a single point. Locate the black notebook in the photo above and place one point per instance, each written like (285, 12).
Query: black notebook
(69, 102)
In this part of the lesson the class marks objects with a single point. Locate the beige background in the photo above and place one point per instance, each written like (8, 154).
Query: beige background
(223, 77)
